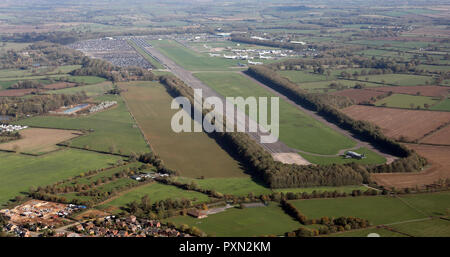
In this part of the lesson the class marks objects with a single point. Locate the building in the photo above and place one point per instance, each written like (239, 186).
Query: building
(196, 213)
(351, 154)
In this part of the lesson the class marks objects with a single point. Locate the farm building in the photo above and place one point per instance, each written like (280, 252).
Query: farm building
(196, 213)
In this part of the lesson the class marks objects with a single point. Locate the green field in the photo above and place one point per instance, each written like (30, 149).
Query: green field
(364, 232)
(302, 76)
(377, 209)
(343, 189)
(113, 129)
(191, 60)
(248, 222)
(406, 101)
(442, 106)
(155, 192)
(428, 228)
(297, 129)
(90, 90)
(192, 154)
(371, 158)
(20, 172)
(398, 79)
(232, 186)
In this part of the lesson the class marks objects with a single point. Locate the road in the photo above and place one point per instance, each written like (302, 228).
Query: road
(279, 150)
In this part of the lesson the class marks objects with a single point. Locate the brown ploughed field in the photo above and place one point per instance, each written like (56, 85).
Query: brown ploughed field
(16, 92)
(359, 95)
(412, 90)
(438, 156)
(440, 137)
(411, 124)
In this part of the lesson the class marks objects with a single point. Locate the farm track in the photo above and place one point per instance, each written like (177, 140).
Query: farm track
(193, 82)
(390, 158)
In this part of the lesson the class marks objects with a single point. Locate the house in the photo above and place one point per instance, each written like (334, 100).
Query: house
(196, 213)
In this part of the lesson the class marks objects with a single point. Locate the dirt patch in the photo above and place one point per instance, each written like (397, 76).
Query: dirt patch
(395, 123)
(16, 92)
(359, 95)
(39, 140)
(413, 90)
(440, 137)
(92, 213)
(438, 156)
(290, 158)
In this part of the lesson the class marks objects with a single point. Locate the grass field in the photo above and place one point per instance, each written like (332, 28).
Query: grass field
(20, 172)
(91, 90)
(406, 101)
(191, 60)
(39, 140)
(364, 232)
(302, 76)
(378, 209)
(155, 192)
(371, 158)
(398, 79)
(442, 106)
(112, 128)
(193, 154)
(297, 129)
(248, 222)
(346, 189)
(428, 228)
(233, 186)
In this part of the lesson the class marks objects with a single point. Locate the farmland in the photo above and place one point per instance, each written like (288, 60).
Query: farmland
(39, 140)
(193, 154)
(316, 137)
(360, 95)
(259, 221)
(120, 135)
(395, 123)
(407, 101)
(20, 172)
(155, 192)
(440, 137)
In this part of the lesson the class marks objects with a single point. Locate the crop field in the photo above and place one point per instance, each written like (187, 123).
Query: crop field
(20, 172)
(191, 60)
(113, 130)
(39, 140)
(415, 90)
(155, 192)
(231, 186)
(412, 124)
(440, 169)
(371, 158)
(192, 154)
(440, 137)
(407, 101)
(359, 95)
(367, 207)
(315, 136)
(248, 222)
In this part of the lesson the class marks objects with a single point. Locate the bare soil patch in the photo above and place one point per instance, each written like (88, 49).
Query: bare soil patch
(290, 158)
(16, 92)
(440, 137)
(413, 90)
(39, 140)
(438, 156)
(396, 123)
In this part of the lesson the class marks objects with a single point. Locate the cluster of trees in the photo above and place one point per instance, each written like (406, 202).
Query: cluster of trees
(290, 209)
(156, 161)
(101, 68)
(26, 84)
(9, 136)
(41, 53)
(38, 104)
(159, 209)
